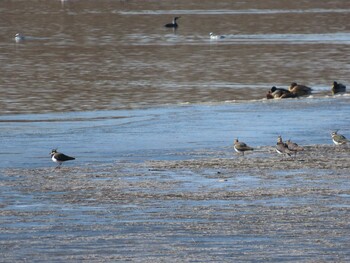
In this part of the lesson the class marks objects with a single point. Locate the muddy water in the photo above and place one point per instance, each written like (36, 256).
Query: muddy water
(117, 54)
(151, 113)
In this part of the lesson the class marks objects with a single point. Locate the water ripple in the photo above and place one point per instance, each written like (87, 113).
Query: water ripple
(231, 12)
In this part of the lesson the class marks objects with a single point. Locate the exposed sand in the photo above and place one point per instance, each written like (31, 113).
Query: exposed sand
(214, 207)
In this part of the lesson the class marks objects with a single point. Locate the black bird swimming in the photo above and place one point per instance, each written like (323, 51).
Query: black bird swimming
(173, 24)
(59, 158)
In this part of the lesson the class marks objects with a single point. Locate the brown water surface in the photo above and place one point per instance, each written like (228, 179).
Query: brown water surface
(88, 55)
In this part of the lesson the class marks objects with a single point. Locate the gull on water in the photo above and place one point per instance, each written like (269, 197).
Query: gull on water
(19, 37)
(215, 37)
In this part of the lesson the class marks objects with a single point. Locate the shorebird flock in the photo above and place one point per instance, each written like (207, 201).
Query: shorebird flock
(288, 148)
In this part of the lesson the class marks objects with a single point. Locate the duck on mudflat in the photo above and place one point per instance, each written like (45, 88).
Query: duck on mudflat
(299, 90)
(279, 93)
(338, 88)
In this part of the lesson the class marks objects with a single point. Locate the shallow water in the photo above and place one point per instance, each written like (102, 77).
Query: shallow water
(164, 133)
(150, 115)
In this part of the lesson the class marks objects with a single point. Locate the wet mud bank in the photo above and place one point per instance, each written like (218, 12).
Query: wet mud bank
(220, 207)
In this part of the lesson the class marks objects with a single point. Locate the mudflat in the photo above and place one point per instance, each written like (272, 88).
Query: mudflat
(210, 206)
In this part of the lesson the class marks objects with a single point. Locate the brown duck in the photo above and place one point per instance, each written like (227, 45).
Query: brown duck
(279, 93)
(299, 90)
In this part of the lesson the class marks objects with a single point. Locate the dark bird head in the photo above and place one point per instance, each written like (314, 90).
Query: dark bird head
(273, 89)
(293, 84)
(335, 83)
(53, 151)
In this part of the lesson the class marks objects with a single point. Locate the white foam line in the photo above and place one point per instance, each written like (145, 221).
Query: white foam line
(231, 12)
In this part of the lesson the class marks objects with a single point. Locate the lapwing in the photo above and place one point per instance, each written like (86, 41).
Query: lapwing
(174, 23)
(338, 139)
(241, 147)
(282, 148)
(59, 158)
(294, 147)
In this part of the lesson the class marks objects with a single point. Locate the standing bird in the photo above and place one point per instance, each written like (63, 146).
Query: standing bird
(338, 139)
(338, 88)
(241, 147)
(294, 147)
(282, 148)
(59, 158)
(173, 24)
(299, 90)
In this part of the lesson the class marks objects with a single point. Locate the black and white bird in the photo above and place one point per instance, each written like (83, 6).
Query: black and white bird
(338, 139)
(174, 23)
(241, 147)
(59, 158)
